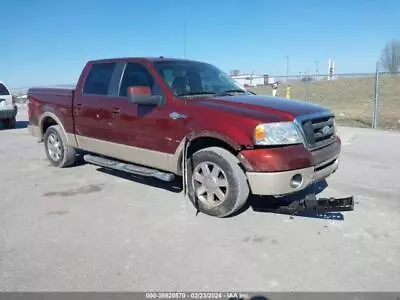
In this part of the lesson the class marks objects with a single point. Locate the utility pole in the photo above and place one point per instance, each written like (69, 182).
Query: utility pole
(307, 83)
(316, 67)
(375, 112)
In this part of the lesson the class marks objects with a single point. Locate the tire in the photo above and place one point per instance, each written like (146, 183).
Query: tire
(57, 150)
(236, 191)
(9, 123)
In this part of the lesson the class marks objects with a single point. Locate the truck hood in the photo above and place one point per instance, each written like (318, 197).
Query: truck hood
(261, 107)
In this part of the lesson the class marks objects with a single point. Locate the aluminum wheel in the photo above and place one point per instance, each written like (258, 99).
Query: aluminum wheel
(210, 183)
(54, 147)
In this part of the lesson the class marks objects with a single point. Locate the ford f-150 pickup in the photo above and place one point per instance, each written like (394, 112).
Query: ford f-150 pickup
(163, 118)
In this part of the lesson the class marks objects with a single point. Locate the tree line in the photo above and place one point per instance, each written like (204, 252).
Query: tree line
(390, 57)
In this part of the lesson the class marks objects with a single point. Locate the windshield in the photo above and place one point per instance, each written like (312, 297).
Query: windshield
(188, 78)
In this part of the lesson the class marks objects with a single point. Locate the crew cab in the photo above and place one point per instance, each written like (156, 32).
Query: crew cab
(164, 118)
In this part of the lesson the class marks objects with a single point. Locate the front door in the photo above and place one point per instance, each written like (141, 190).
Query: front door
(143, 132)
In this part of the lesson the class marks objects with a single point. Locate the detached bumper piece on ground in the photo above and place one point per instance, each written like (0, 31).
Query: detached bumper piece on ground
(312, 204)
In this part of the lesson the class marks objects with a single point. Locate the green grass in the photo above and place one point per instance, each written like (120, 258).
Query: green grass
(351, 99)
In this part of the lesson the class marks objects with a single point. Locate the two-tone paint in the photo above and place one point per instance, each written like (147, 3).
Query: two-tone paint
(111, 125)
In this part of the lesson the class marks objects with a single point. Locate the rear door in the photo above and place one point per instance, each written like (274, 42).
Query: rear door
(93, 106)
(6, 100)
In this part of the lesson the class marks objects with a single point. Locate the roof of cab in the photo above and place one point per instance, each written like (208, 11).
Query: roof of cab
(148, 59)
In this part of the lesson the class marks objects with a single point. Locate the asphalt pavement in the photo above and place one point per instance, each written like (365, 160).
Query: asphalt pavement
(85, 229)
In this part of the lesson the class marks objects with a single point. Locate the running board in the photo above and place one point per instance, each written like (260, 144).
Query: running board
(129, 168)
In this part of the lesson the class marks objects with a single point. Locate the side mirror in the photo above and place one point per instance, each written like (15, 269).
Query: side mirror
(142, 95)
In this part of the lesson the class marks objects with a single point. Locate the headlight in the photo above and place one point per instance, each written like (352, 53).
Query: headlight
(280, 133)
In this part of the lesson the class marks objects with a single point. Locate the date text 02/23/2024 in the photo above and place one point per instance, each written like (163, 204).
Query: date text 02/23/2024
(195, 295)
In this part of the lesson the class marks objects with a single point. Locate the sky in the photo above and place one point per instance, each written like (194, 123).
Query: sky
(46, 42)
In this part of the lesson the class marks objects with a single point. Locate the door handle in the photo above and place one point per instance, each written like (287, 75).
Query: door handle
(175, 116)
(77, 108)
(115, 111)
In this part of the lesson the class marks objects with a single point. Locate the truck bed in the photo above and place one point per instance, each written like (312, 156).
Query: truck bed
(56, 101)
(51, 91)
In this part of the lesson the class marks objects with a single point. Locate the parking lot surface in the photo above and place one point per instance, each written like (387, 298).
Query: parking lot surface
(85, 229)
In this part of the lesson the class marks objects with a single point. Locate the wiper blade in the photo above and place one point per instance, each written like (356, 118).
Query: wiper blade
(231, 91)
(196, 93)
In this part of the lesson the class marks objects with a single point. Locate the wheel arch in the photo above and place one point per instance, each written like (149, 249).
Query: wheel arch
(201, 140)
(48, 119)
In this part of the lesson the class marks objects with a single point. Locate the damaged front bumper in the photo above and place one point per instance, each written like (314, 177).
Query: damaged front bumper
(287, 182)
(290, 169)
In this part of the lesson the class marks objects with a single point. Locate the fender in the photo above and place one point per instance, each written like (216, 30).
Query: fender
(214, 134)
(176, 160)
(236, 136)
(70, 137)
(181, 157)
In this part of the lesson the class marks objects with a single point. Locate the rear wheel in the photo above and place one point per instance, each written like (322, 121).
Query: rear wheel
(216, 183)
(9, 123)
(58, 152)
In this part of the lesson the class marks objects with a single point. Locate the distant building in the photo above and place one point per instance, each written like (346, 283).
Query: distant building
(251, 79)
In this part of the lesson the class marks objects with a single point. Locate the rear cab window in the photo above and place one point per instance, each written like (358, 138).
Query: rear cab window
(98, 79)
(3, 90)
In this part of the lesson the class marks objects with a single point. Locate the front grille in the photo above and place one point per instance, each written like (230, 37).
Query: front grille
(318, 131)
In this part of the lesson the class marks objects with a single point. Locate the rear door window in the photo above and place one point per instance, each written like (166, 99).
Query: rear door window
(99, 78)
(3, 90)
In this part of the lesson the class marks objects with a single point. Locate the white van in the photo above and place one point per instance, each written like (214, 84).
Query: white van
(8, 108)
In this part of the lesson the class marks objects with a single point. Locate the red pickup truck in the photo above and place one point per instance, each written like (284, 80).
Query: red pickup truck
(163, 118)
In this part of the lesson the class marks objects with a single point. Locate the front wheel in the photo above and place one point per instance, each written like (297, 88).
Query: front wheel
(217, 185)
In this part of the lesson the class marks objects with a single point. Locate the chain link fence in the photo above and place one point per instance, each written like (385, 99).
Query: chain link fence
(359, 99)
(387, 108)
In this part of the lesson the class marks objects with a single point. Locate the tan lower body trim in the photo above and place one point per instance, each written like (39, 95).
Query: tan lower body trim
(71, 140)
(145, 157)
(278, 183)
(35, 131)
(176, 159)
